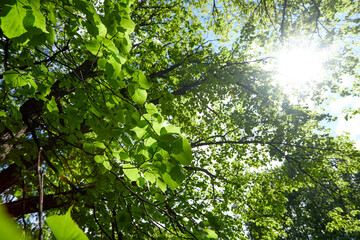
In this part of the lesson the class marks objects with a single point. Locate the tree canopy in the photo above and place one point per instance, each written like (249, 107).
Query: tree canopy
(161, 120)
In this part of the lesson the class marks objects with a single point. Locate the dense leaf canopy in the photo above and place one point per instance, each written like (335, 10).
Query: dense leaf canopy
(161, 120)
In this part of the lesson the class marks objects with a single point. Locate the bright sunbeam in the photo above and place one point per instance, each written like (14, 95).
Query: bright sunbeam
(299, 66)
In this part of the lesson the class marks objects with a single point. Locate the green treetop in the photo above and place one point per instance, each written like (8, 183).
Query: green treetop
(138, 119)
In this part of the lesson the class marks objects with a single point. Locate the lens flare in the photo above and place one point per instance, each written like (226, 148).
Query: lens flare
(299, 66)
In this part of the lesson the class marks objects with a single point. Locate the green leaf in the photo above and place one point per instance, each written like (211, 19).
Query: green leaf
(160, 197)
(113, 67)
(128, 24)
(176, 145)
(169, 181)
(94, 47)
(131, 172)
(167, 140)
(99, 159)
(185, 156)
(51, 105)
(150, 176)
(64, 228)
(50, 37)
(161, 184)
(110, 45)
(177, 174)
(29, 19)
(170, 129)
(124, 44)
(52, 17)
(140, 132)
(89, 147)
(39, 19)
(8, 229)
(210, 233)
(100, 145)
(139, 96)
(101, 63)
(151, 108)
(14, 79)
(12, 23)
(124, 156)
(102, 29)
(107, 165)
(140, 78)
(96, 110)
(91, 28)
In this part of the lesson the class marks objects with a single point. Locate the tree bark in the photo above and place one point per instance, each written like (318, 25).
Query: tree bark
(31, 204)
(9, 177)
(32, 109)
(183, 90)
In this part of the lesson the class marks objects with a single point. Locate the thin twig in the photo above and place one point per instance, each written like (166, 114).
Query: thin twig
(283, 20)
(6, 53)
(198, 169)
(131, 191)
(97, 222)
(212, 110)
(23, 204)
(41, 194)
(150, 203)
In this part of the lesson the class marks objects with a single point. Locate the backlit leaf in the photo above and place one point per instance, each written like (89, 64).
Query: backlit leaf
(131, 172)
(100, 145)
(94, 47)
(185, 156)
(150, 177)
(107, 165)
(128, 24)
(211, 233)
(8, 230)
(64, 228)
(12, 24)
(169, 181)
(14, 79)
(161, 184)
(51, 105)
(139, 96)
(140, 78)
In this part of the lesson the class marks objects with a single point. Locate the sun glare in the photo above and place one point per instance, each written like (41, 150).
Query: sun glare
(298, 67)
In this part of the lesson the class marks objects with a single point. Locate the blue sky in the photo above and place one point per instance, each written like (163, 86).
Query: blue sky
(338, 108)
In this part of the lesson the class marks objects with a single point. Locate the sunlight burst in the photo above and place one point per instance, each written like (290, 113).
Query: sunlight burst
(299, 66)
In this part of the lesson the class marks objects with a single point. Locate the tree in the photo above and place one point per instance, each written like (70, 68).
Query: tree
(127, 111)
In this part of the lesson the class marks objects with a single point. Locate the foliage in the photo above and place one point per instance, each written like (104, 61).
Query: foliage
(64, 227)
(8, 227)
(153, 131)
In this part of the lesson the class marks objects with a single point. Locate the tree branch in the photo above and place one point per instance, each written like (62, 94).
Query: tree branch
(198, 144)
(226, 142)
(97, 222)
(212, 110)
(283, 19)
(198, 169)
(32, 109)
(183, 90)
(31, 204)
(48, 59)
(6, 53)
(162, 73)
(303, 170)
(41, 194)
(267, 13)
(9, 176)
(219, 136)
